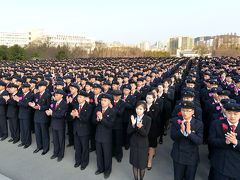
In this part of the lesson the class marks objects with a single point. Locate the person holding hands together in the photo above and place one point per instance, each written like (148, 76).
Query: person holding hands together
(187, 134)
(138, 130)
(224, 139)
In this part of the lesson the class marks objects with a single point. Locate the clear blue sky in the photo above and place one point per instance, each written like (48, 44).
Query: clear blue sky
(128, 21)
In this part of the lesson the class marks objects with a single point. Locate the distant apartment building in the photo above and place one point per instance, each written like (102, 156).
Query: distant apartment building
(226, 41)
(22, 39)
(145, 45)
(208, 40)
(182, 43)
(159, 46)
(219, 42)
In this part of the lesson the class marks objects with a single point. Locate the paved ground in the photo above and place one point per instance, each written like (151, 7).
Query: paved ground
(21, 164)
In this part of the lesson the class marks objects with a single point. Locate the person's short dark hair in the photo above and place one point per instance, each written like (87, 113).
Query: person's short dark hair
(151, 94)
(168, 80)
(160, 84)
(143, 104)
(154, 89)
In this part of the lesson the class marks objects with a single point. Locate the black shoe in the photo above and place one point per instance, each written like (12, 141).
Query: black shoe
(149, 168)
(91, 150)
(44, 152)
(3, 138)
(10, 140)
(76, 165)
(20, 145)
(160, 140)
(69, 145)
(119, 160)
(59, 159)
(25, 147)
(106, 175)
(83, 167)
(14, 142)
(98, 172)
(37, 150)
(53, 156)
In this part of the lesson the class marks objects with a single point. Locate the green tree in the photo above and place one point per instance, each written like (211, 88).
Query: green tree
(17, 53)
(4, 53)
(61, 55)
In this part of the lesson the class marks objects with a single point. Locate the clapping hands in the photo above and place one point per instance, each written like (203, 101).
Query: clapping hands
(231, 138)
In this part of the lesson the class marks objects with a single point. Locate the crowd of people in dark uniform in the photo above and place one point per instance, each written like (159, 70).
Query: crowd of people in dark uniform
(103, 105)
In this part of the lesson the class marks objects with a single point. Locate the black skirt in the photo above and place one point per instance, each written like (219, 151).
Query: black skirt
(152, 141)
(139, 157)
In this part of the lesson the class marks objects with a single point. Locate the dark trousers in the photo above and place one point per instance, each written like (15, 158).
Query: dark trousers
(184, 172)
(92, 138)
(25, 131)
(104, 157)
(126, 139)
(42, 136)
(3, 126)
(14, 128)
(59, 142)
(70, 132)
(81, 144)
(117, 143)
(215, 175)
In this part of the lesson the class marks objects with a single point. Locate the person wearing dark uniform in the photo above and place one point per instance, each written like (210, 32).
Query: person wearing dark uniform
(119, 107)
(152, 112)
(134, 91)
(81, 114)
(130, 102)
(96, 102)
(158, 102)
(138, 130)
(12, 114)
(41, 104)
(24, 115)
(57, 111)
(187, 134)
(3, 111)
(71, 100)
(224, 138)
(187, 96)
(103, 117)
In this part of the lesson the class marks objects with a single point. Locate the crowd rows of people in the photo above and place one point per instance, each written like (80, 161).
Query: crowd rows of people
(107, 104)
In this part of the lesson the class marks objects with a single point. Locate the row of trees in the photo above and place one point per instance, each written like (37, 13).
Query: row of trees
(13, 53)
(44, 50)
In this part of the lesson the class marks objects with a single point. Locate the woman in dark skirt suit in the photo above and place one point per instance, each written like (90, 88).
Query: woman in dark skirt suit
(152, 112)
(138, 130)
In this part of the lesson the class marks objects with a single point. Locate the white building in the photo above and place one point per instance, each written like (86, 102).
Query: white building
(22, 39)
(186, 53)
(10, 39)
(71, 41)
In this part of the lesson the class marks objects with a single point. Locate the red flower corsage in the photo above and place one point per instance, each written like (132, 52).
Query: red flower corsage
(224, 126)
(179, 113)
